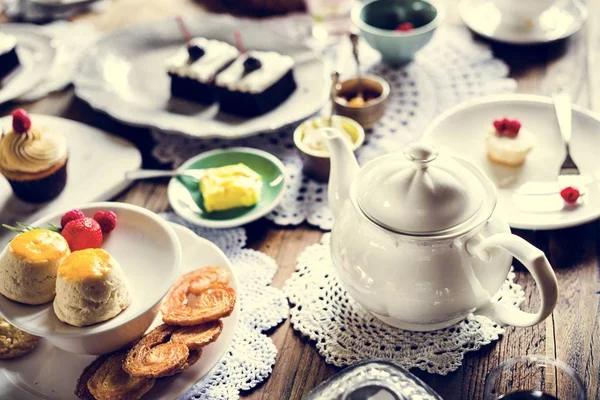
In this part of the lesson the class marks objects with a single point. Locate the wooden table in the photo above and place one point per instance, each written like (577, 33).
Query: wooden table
(571, 334)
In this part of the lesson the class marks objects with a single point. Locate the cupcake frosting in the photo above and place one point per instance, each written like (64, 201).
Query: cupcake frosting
(33, 151)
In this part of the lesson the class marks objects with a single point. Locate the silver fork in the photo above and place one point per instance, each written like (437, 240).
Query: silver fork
(562, 106)
(158, 173)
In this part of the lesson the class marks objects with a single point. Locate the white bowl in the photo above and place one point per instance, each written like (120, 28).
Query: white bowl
(149, 253)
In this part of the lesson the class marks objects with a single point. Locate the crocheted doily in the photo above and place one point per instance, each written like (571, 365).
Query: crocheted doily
(252, 354)
(451, 69)
(345, 333)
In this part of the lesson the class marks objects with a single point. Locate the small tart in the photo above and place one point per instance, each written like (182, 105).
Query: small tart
(14, 342)
(506, 150)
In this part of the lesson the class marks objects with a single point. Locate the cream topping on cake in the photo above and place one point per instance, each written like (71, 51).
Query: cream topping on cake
(273, 67)
(509, 150)
(32, 151)
(217, 55)
(7, 43)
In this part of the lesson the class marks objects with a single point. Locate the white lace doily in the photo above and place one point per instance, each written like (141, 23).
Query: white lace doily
(451, 69)
(252, 354)
(345, 333)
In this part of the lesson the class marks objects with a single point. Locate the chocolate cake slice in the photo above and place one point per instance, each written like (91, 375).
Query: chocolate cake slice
(255, 83)
(9, 60)
(193, 69)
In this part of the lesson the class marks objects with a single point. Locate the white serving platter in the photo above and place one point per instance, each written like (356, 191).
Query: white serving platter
(51, 374)
(124, 75)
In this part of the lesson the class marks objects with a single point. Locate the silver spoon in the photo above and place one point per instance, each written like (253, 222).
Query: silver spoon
(158, 173)
(335, 77)
(359, 90)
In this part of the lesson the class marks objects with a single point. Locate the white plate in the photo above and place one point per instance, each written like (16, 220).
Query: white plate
(462, 130)
(148, 252)
(91, 174)
(124, 75)
(37, 53)
(560, 21)
(50, 373)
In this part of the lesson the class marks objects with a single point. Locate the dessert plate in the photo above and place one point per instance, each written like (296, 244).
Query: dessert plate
(124, 75)
(185, 197)
(37, 53)
(90, 177)
(50, 373)
(560, 21)
(462, 130)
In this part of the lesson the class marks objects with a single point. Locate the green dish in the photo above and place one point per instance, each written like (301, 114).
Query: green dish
(185, 197)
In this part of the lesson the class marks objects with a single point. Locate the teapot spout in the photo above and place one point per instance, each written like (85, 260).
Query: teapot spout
(344, 168)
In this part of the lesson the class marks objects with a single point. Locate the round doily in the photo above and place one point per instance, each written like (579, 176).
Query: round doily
(345, 333)
(252, 354)
(451, 69)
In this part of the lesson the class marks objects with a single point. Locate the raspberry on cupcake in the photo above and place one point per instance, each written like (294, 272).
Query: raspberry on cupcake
(33, 160)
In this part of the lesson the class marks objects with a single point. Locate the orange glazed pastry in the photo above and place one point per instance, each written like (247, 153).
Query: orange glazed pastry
(29, 264)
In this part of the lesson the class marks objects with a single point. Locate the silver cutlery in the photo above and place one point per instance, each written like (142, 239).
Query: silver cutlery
(157, 173)
(562, 106)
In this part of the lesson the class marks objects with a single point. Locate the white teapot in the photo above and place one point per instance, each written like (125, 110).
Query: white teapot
(417, 243)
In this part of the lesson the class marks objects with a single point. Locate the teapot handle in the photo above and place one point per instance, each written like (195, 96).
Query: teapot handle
(537, 264)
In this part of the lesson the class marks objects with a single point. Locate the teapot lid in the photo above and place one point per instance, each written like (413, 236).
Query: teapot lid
(421, 192)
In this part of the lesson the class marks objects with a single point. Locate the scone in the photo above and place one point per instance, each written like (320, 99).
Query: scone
(90, 288)
(14, 342)
(28, 266)
(508, 143)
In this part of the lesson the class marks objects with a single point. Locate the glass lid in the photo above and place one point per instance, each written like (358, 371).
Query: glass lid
(419, 192)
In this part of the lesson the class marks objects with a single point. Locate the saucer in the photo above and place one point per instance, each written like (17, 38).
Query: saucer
(558, 22)
(37, 53)
(49, 373)
(185, 197)
(462, 131)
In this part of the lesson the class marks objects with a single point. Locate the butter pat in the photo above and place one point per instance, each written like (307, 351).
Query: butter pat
(229, 187)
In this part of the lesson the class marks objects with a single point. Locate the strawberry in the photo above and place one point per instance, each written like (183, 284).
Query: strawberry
(513, 126)
(570, 194)
(405, 27)
(84, 233)
(107, 220)
(70, 216)
(21, 121)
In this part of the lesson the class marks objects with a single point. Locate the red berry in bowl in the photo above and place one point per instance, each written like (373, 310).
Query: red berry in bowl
(405, 27)
(70, 216)
(84, 233)
(21, 121)
(570, 194)
(107, 220)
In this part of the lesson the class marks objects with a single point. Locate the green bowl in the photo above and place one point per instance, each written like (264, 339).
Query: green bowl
(377, 19)
(185, 197)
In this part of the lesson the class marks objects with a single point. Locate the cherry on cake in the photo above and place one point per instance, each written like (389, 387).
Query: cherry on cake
(193, 68)
(255, 83)
(9, 60)
(508, 143)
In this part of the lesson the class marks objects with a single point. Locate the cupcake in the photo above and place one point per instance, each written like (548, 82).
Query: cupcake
(33, 160)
